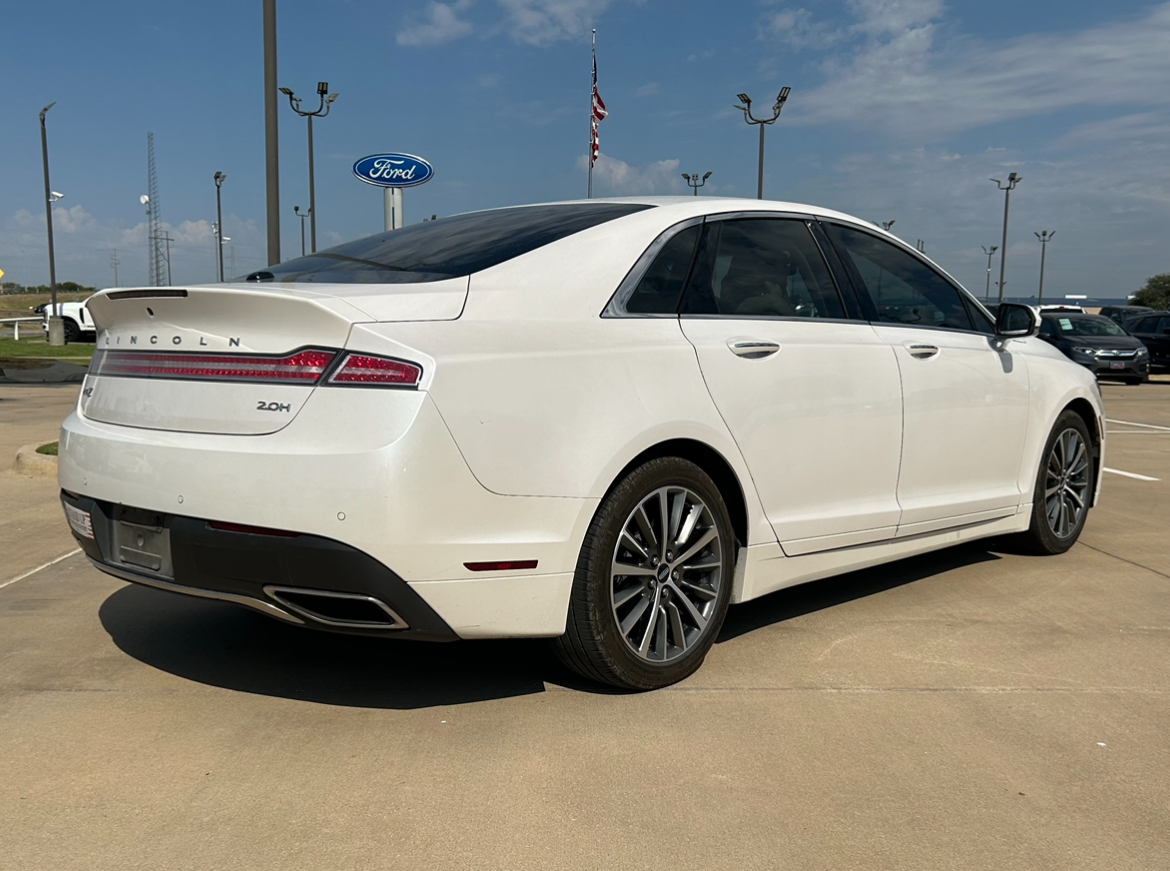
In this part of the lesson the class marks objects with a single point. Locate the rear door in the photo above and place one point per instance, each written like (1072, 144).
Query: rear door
(965, 395)
(811, 396)
(1154, 332)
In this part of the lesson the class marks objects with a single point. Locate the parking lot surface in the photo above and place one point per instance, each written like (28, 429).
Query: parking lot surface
(971, 708)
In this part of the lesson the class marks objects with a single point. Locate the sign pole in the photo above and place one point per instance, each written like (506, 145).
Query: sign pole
(392, 206)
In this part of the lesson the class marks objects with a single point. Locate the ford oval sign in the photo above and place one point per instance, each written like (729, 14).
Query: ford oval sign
(393, 170)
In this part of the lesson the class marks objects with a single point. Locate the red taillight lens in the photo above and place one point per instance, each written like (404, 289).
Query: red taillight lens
(302, 367)
(374, 371)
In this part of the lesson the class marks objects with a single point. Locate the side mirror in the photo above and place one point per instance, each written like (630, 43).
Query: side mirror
(1015, 321)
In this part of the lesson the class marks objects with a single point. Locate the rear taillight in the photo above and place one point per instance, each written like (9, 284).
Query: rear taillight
(302, 367)
(364, 370)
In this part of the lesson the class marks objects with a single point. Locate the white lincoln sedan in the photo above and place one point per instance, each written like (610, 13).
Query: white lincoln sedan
(599, 422)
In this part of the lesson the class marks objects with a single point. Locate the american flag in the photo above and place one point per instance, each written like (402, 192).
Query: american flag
(599, 113)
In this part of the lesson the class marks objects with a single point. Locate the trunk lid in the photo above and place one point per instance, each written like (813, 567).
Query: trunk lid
(172, 359)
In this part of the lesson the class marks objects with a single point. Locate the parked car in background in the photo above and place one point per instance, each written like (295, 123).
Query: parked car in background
(1061, 307)
(1153, 331)
(1119, 314)
(1098, 344)
(78, 321)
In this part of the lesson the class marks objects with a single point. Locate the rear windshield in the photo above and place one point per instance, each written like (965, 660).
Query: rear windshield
(446, 248)
(1084, 326)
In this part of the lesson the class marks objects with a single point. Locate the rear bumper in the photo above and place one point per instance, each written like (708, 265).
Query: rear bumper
(376, 491)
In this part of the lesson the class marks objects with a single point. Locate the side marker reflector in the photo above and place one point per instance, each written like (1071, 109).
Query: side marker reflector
(503, 566)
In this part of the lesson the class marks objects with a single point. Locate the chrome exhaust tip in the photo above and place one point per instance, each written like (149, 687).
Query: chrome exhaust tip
(344, 610)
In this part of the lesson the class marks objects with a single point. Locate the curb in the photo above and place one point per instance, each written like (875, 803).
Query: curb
(30, 464)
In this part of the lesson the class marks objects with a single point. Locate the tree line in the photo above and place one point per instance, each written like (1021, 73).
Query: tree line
(11, 288)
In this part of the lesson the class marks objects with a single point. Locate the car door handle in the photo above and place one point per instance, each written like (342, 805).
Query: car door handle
(921, 350)
(753, 349)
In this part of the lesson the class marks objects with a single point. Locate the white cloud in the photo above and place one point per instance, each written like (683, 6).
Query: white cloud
(543, 22)
(896, 72)
(616, 178)
(437, 24)
(796, 28)
(650, 89)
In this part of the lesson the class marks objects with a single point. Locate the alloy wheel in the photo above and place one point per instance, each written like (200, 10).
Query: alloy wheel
(667, 570)
(1066, 483)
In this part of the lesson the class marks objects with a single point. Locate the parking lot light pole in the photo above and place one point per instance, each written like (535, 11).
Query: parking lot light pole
(885, 225)
(1007, 189)
(1043, 236)
(321, 111)
(746, 108)
(989, 252)
(695, 182)
(302, 215)
(219, 180)
(56, 325)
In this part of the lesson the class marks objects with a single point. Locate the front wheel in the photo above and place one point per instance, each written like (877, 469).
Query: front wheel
(1064, 487)
(72, 332)
(653, 580)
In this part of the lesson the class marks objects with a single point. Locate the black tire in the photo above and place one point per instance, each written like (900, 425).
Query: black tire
(1045, 535)
(1133, 382)
(594, 644)
(72, 331)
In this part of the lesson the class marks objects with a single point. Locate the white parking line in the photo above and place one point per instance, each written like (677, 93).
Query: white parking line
(1134, 475)
(1134, 423)
(51, 562)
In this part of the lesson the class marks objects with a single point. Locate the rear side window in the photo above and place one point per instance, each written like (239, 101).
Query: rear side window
(661, 287)
(446, 248)
(904, 289)
(761, 268)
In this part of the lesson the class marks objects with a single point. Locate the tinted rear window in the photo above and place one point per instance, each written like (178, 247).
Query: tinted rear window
(446, 248)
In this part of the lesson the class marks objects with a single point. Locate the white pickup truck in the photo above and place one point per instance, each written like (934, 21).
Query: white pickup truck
(78, 322)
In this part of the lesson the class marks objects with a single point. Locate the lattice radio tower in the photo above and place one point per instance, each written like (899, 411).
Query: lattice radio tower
(158, 258)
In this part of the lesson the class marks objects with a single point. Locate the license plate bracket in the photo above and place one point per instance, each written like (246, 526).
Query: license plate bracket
(139, 546)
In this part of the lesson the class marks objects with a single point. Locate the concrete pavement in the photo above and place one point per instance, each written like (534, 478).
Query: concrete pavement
(968, 709)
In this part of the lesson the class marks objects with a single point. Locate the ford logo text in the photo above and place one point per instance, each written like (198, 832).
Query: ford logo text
(393, 170)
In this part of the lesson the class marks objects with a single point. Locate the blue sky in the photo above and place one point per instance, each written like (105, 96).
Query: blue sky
(900, 109)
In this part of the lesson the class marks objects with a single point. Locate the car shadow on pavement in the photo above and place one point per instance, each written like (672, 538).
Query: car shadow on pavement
(228, 646)
(231, 647)
(818, 595)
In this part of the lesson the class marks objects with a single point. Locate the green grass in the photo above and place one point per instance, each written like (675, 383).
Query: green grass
(50, 449)
(41, 349)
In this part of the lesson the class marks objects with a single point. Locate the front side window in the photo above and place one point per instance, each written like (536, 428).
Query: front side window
(904, 289)
(761, 268)
(446, 248)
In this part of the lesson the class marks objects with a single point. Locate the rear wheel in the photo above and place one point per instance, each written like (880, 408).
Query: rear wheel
(653, 579)
(1064, 487)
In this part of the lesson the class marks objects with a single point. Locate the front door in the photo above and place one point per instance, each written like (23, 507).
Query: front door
(965, 395)
(812, 398)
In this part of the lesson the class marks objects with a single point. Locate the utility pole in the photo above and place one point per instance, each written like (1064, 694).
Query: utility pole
(115, 263)
(321, 111)
(988, 251)
(56, 325)
(219, 178)
(694, 182)
(1007, 189)
(271, 135)
(1043, 236)
(302, 215)
(762, 123)
(166, 237)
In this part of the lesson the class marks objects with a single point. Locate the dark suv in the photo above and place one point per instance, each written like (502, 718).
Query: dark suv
(1098, 344)
(1153, 330)
(1119, 314)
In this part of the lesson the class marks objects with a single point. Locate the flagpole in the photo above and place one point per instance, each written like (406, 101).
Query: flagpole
(592, 90)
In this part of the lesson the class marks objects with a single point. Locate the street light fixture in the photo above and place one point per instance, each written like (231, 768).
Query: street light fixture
(1007, 189)
(1043, 236)
(321, 111)
(751, 119)
(988, 251)
(302, 215)
(885, 225)
(695, 182)
(220, 178)
(56, 325)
